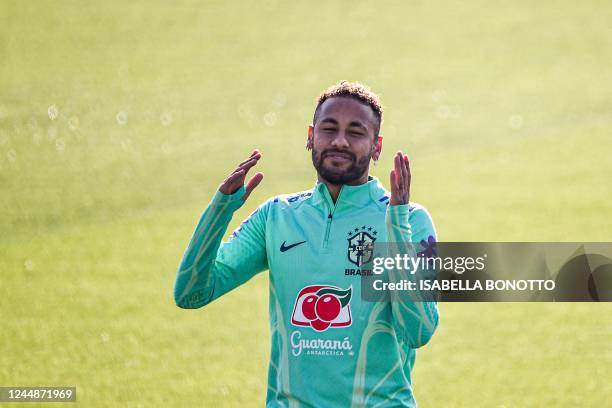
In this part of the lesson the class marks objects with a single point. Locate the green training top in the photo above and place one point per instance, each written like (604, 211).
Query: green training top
(329, 347)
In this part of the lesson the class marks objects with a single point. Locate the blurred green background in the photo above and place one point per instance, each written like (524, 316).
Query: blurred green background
(119, 120)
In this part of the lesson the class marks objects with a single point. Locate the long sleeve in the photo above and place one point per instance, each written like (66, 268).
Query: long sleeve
(210, 268)
(414, 321)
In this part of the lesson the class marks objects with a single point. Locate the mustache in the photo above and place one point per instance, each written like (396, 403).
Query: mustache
(340, 152)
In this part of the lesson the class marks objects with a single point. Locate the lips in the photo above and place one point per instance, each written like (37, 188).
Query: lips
(338, 156)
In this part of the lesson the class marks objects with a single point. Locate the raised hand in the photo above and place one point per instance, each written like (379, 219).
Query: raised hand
(234, 181)
(400, 180)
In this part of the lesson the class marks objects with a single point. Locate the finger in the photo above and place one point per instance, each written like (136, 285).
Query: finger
(242, 171)
(408, 176)
(232, 183)
(255, 153)
(404, 170)
(238, 177)
(395, 175)
(252, 184)
(395, 191)
(249, 160)
(248, 164)
(407, 163)
(398, 172)
(408, 173)
(393, 182)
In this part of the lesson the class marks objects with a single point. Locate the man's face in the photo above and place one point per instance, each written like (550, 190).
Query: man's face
(342, 140)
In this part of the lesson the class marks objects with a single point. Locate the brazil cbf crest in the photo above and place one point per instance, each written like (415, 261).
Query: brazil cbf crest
(361, 245)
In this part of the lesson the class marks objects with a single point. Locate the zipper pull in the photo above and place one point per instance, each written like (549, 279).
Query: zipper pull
(329, 216)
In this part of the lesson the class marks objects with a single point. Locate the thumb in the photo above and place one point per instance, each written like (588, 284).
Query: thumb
(253, 182)
(393, 181)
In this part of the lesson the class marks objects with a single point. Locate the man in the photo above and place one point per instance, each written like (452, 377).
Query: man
(329, 347)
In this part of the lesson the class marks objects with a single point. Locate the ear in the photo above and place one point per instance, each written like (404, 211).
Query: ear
(377, 147)
(309, 140)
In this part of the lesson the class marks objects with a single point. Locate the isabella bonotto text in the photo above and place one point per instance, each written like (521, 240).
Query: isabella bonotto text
(465, 285)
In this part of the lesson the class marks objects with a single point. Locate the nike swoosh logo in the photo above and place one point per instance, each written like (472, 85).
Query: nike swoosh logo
(284, 247)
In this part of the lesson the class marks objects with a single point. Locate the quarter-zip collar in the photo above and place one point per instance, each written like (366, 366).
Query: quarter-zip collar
(350, 197)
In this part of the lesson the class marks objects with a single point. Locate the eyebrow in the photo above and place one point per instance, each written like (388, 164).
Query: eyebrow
(353, 123)
(358, 124)
(329, 120)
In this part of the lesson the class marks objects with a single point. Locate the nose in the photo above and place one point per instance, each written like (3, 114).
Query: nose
(340, 141)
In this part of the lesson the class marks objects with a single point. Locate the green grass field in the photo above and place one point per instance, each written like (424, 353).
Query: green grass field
(118, 122)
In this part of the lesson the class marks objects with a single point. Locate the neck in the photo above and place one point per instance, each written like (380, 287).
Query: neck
(334, 189)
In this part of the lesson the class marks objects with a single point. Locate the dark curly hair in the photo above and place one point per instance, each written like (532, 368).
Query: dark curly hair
(354, 90)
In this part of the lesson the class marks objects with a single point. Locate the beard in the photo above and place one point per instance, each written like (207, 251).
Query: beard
(336, 175)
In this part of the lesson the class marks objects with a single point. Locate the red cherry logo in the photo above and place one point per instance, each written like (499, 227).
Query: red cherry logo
(319, 325)
(328, 307)
(321, 305)
(308, 306)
